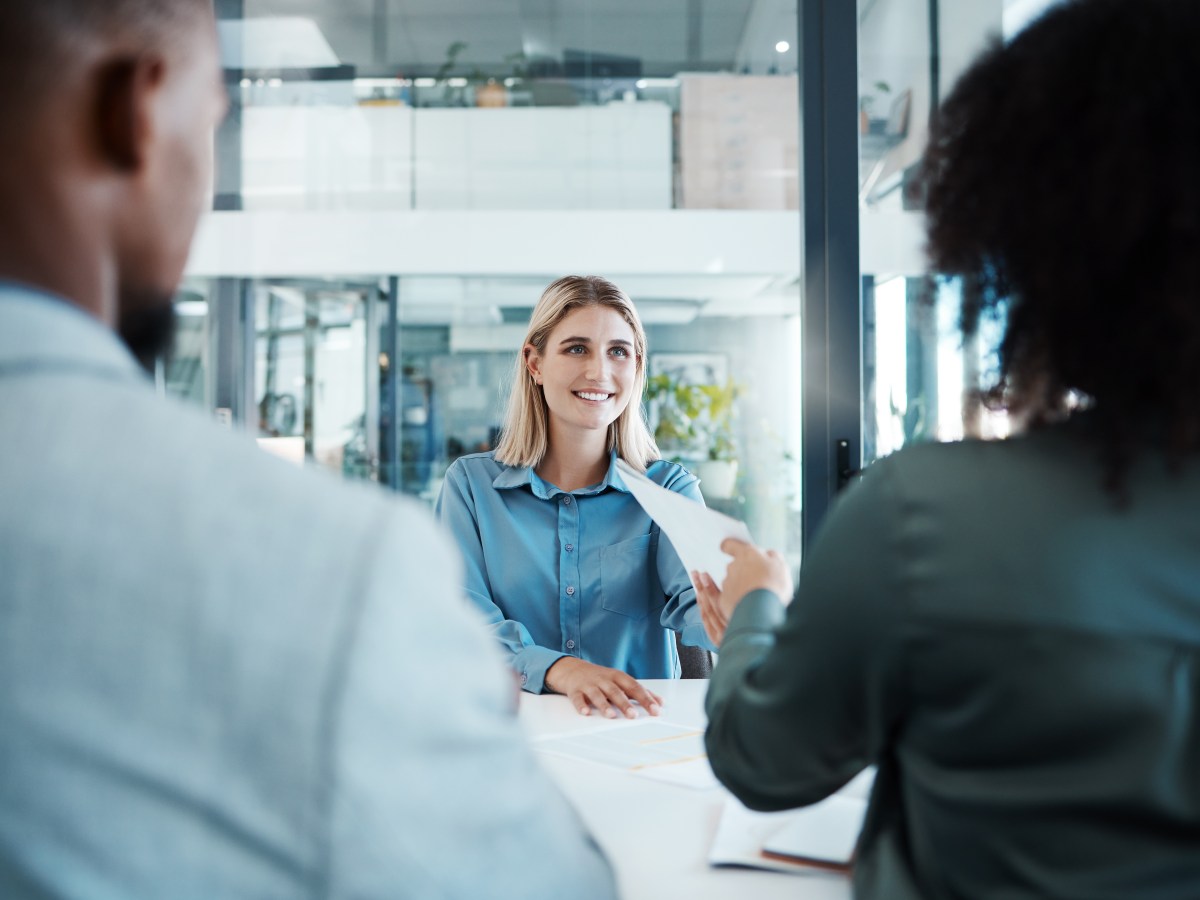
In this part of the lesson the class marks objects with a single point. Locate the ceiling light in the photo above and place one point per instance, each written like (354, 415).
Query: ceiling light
(783, 47)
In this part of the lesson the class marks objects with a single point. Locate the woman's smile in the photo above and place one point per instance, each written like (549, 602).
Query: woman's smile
(593, 396)
(587, 370)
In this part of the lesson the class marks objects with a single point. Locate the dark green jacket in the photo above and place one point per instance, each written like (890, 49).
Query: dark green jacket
(1018, 656)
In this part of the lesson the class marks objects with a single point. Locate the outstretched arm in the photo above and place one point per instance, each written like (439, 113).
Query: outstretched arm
(802, 701)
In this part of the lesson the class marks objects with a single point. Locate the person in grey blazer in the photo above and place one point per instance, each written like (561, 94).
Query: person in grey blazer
(219, 676)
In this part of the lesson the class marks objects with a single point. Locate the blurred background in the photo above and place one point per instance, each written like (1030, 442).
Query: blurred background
(398, 180)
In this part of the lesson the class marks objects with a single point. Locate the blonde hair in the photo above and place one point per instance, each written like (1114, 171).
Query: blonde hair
(526, 436)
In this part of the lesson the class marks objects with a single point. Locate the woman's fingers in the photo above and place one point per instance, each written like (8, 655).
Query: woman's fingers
(630, 688)
(599, 701)
(612, 693)
(708, 599)
(714, 624)
(580, 701)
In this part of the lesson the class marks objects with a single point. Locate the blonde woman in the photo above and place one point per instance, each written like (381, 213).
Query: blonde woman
(580, 588)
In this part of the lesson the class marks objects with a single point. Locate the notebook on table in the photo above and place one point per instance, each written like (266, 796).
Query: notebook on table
(817, 838)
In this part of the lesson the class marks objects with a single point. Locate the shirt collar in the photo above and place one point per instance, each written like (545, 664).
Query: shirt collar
(40, 329)
(520, 476)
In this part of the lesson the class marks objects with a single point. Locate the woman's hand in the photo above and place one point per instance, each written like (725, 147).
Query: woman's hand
(752, 569)
(588, 685)
(708, 598)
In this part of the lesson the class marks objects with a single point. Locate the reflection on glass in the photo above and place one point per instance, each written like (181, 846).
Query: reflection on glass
(664, 106)
(921, 380)
(386, 137)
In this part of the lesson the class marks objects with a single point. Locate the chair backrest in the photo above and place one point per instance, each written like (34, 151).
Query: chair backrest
(696, 662)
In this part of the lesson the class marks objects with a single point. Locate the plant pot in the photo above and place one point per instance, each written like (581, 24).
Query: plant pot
(492, 94)
(717, 477)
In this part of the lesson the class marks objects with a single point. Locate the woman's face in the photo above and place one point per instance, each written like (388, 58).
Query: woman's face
(588, 369)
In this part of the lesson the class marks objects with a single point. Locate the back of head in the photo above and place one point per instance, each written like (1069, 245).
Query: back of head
(1061, 183)
(526, 425)
(106, 126)
(39, 40)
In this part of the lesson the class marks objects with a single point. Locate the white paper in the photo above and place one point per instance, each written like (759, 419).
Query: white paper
(740, 836)
(654, 749)
(695, 531)
(826, 830)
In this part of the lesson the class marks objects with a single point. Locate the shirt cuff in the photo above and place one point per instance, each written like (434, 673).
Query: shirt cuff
(759, 611)
(531, 664)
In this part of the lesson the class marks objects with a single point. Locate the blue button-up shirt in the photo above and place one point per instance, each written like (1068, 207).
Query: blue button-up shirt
(582, 573)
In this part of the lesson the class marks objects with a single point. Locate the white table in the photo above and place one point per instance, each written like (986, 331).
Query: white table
(657, 835)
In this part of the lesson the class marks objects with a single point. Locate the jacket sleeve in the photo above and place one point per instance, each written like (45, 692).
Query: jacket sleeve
(681, 612)
(434, 791)
(456, 509)
(801, 703)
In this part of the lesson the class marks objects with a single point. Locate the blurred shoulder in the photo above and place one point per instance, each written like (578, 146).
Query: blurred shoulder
(970, 467)
(670, 475)
(230, 478)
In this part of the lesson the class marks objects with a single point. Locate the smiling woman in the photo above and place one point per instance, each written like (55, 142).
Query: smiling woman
(578, 585)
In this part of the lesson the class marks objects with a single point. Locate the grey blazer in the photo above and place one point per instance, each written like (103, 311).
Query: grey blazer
(221, 676)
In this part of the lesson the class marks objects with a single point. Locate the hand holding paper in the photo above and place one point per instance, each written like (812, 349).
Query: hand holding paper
(753, 569)
(695, 531)
(706, 541)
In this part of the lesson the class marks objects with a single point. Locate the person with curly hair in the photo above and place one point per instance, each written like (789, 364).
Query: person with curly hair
(1010, 630)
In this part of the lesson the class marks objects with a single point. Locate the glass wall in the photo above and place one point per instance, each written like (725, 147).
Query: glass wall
(397, 185)
(920, 381)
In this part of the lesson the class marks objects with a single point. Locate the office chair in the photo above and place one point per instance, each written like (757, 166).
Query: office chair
(696, 662)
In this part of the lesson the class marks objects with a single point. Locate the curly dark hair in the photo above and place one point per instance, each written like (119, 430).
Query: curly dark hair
(1062, 183)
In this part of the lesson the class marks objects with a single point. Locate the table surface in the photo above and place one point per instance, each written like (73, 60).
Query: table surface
(657, 835)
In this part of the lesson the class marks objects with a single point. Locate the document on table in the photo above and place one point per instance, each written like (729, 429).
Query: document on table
(695, 531)
(822, 836)
(654, 749)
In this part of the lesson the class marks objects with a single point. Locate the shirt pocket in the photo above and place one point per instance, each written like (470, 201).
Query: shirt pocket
(627, 578)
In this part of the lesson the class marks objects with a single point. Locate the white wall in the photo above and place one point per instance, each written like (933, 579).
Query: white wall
(395, 157)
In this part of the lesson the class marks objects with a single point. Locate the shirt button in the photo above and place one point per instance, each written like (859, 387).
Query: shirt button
(570, 645)
(566, 501)
(524, 679)
(570, 591)
(570, 547)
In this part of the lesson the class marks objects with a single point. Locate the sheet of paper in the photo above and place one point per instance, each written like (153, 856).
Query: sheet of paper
(654, 749)
(694, 530)
(825, 830)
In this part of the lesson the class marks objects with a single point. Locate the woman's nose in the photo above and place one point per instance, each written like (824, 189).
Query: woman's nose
(597, 368)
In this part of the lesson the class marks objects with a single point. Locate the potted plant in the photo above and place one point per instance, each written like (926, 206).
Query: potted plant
(694, 425)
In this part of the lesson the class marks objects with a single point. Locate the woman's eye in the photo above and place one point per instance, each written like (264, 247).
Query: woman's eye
(620, 351)
(576, 349)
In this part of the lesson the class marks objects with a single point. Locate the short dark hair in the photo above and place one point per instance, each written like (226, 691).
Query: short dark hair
(1062, 183)
(39, 37)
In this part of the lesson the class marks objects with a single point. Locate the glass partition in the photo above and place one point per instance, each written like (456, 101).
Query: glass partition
(584, 105)
(397, 187)
(185, 374)
(920, 381)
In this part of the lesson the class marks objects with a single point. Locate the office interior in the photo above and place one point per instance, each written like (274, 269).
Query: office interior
(398, 180)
